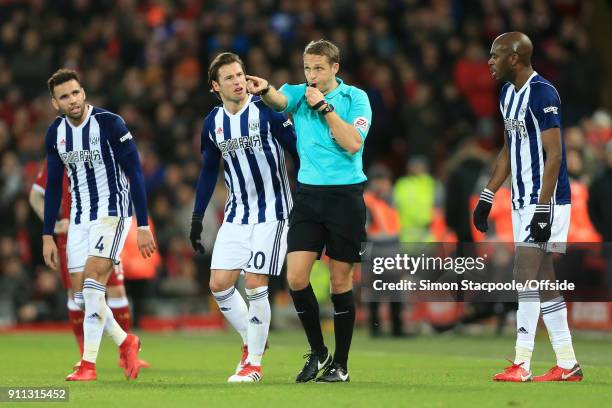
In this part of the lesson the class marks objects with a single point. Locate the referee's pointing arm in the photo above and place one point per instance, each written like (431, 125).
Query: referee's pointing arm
(271, 97)
(345, 134)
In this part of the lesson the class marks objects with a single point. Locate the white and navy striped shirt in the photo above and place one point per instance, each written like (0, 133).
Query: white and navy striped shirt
(527, 113)
(98, 185)
(251, 144)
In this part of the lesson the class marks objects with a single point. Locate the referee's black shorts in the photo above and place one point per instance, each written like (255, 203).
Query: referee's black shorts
(333, 217)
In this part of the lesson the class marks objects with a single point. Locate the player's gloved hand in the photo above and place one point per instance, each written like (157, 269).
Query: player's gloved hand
(195, 234)
(540, 223)
(482, 210)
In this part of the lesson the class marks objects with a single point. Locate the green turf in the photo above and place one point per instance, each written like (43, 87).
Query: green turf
(191, 369)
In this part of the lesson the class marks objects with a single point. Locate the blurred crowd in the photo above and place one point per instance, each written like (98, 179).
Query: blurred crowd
(423, 65)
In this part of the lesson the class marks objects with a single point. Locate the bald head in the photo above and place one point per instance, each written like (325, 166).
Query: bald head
(511, 57)
(515, 41)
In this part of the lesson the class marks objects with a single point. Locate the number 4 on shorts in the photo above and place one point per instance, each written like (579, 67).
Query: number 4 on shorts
(100, 246)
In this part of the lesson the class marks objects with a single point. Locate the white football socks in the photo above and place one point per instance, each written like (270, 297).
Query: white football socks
(234, 309)
(527, 318)
(116, 303)
(95, 317)
(73, 306)
(259, 323)
(112, 328)
(554, 313)
(79, 300)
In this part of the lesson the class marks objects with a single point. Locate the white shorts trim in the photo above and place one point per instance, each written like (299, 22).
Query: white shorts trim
(560, 215)
(256, 248)
(104, 238)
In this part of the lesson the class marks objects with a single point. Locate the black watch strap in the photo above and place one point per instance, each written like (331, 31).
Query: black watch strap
(264, 91)
(328, 108)
(317, 105)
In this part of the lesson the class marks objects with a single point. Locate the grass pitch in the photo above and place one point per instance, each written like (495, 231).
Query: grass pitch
(191, 370)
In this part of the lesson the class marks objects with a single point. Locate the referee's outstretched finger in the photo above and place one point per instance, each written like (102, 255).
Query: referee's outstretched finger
(254, 83)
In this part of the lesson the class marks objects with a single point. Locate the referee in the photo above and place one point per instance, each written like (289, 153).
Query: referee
(331, 121)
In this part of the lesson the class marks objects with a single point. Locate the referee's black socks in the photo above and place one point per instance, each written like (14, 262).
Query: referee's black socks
(307, 309)
(344, 323)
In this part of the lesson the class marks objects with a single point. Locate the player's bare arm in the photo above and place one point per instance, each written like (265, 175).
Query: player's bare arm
(37, 202)
(269, 94)
(501, 169)
(50, 253)
(551, 143)
(346, 135)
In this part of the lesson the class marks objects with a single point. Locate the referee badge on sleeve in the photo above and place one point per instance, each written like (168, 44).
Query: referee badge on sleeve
(361, 123)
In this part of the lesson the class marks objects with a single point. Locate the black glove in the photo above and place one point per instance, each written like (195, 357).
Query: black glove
(195, 234)
(540, 225)
(482, 210)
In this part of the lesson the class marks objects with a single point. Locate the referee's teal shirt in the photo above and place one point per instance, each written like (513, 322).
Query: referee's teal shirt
(322, 160)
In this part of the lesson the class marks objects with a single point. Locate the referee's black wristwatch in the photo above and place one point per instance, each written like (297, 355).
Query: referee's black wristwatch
(327, 109)
(263, 91)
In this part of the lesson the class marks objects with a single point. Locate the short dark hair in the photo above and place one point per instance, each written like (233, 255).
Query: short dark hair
(60, 76)
(325, 48)
(225, 58)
